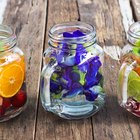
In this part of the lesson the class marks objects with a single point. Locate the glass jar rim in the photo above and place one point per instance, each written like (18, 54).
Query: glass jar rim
(133, 32)
(73, 24)
(7, 37)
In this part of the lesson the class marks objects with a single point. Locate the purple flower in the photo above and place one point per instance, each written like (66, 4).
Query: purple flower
(67, 34)
(80, 53)
(92, 93)
(93, 77)
(66, 80)
(55, 87)
(90, 96)
(76, 33)
(76, 89)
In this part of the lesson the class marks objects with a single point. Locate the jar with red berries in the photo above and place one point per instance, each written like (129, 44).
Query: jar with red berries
(129, 75)
(12, 76)
(72, 77)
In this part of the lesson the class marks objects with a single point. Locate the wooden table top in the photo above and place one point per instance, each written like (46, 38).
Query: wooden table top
(31, 20)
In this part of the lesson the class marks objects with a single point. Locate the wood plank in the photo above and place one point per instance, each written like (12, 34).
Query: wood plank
(96, 13)
(27, 18)
(3, 4)
(126, 12)
(136, 9)
(112, 122)
(50, 126)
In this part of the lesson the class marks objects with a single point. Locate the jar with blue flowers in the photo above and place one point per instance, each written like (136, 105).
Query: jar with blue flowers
(72, 78)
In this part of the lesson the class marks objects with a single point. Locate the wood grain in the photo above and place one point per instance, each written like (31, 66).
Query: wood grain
(136, 9)
(31, 20)
(27, 18)
(112, 122)
(50, 126)
(126, 12)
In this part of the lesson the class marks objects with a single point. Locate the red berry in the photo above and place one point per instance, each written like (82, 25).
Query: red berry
(19, 99)
(2, 111)
(6, 103)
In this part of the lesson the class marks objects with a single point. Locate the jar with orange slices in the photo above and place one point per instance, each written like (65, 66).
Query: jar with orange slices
(129, 75)
(12, 76)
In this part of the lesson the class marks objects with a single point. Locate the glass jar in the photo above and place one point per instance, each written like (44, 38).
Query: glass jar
(12, 75)
(129, 75)
(72, 79)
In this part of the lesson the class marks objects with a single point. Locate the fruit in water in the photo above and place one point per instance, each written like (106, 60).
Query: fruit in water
(133, 75)
(2, 111)
(137, 70)
(11, 80)
(6, 103)
(19, 99)
(134, 89)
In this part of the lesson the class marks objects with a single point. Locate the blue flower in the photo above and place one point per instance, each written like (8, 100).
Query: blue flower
(90, 96)
(92, 93)
(76, 33)
(76, 89)
(93, 77)
(80, 53)
(55, 87)
(66, 80)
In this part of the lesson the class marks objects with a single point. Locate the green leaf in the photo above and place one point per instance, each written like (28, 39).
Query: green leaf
(137, 43)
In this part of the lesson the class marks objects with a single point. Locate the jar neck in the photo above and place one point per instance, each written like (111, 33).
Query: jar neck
(57, 40)
(7, 38)
(134, 34)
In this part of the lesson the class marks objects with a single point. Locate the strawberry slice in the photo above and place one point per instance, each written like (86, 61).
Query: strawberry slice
(19, 99)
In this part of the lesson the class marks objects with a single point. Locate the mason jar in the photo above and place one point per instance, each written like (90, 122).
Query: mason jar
(72, 78)
(12, 75)
(129, 75)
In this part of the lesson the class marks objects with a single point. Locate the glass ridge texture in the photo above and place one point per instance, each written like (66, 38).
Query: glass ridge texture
(72, 78)
(12, 76)
(129, 74)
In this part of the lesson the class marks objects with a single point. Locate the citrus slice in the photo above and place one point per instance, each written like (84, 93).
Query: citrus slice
(11, 80)
(134, 89)
(133, 75)
(121, 78)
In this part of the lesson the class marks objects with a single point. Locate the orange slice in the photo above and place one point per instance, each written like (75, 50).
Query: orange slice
(11, 80)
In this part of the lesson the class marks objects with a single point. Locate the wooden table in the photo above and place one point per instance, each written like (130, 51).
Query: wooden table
(31, 20)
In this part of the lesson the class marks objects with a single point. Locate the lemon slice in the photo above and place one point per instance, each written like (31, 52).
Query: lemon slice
(11, 80)
(133, 75)
(134, 89)
(134, 85)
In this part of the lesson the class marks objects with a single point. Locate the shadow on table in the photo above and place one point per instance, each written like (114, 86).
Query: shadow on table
(110, 113)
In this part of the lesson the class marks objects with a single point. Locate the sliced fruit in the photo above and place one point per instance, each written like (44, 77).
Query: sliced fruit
(134, 89)
(137, 70)
(121, 78)
(19, 99)
(6, 103)
(133, 75)
(11, 80)
(136, 51)
(2, 111)
(137, 43)
(129, 58)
